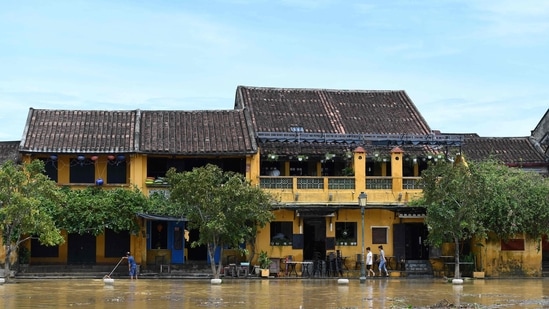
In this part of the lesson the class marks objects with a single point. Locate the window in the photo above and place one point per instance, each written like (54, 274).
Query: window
(39, 250)
(379, 234)
(159, 235)
(346, 233)
(50, 167)
(116, 171)
(281, 233)
(513, 245)
(82, 170)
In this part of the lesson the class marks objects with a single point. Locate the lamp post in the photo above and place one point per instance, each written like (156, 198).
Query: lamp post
(362, 203)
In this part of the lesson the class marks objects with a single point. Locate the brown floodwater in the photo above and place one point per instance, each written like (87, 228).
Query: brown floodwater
(275, 293)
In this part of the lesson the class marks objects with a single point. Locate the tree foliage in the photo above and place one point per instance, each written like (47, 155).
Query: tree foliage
(94, 208)
(29, 204)
(463, 201)
(223, 206)
(512, 201)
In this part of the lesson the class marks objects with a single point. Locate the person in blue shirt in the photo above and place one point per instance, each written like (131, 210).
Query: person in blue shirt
(132, 266)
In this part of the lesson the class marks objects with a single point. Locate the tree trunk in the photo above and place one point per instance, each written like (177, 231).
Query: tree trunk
(7, 262)
(211, 253)
(457, 274)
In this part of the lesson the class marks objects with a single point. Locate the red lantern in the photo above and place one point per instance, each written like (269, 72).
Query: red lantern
(110, 157)
(94, 158)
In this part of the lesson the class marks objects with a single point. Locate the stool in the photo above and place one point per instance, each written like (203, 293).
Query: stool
(243, 271)
(159, 261)
(165, 266)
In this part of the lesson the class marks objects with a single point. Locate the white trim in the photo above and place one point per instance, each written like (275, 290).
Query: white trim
(380, 227)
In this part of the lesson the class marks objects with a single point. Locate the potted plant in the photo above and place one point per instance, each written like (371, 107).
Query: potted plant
(264, 263)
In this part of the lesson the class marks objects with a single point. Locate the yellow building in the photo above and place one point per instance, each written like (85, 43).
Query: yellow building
(316, 150)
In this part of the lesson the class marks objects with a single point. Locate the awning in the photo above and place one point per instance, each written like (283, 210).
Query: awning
(315, 212)
(161, 218)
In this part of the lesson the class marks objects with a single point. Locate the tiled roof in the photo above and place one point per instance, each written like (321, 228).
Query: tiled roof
(9, 151)
(167, 132)
(510, 150)
(196, 132)
(79, 131)
(331, 111)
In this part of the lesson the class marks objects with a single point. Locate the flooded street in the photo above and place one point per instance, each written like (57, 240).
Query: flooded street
(275, 293)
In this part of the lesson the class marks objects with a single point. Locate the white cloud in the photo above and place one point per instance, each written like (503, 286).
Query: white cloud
(517, 22)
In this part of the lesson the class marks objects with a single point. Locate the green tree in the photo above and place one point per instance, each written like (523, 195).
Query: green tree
(94, 208)
(29, 204)
(452, 213)
(223, 206)
(511, 200)
(463, 201)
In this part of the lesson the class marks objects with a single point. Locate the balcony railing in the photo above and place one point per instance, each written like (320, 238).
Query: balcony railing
(376, 182)
(307, 183)
(278, 182)
(340, 183)
(411, 183)
(310, 183)
(335, 183)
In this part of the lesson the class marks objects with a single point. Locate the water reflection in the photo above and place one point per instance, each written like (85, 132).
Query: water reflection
(278, 293)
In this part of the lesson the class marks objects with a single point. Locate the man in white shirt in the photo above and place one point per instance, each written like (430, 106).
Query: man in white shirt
(370, 263)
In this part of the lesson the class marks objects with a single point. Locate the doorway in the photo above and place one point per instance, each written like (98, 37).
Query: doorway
(409, 241)
(198, 253)
(81, 249)
(314, 235)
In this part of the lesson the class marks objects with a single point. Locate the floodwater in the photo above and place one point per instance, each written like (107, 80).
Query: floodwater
(275, 293)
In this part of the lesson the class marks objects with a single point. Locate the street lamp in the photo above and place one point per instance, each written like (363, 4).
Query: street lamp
(362, 197)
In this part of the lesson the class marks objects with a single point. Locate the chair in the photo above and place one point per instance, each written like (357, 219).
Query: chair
(332, 265)
(359, 261)
(318, 265)
(243, 270)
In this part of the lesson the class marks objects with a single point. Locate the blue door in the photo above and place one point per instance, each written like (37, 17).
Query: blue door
(176, 241)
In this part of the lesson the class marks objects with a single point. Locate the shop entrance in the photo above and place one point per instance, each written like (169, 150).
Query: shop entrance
(81, 249)
(409, 241)
(314, 235)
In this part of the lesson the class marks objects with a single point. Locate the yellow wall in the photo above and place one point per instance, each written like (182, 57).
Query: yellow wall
(500, 263)
(372, 218)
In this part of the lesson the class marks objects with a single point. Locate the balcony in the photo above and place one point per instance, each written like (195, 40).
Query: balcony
(339, 189)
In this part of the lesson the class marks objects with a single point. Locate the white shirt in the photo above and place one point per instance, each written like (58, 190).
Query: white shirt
(369, 258)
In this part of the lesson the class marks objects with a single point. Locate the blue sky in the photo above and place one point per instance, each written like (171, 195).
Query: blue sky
(469, 66)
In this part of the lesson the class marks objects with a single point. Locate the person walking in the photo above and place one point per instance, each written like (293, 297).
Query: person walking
(370, 263)
(132, 266)
(382, 262)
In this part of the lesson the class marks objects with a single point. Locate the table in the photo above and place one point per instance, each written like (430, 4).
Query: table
(290, 267)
